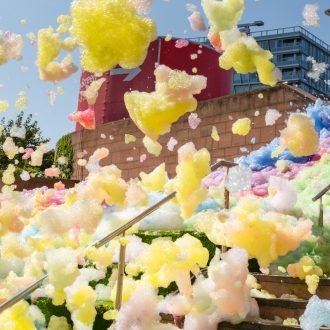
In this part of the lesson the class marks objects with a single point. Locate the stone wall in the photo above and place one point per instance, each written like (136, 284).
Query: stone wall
(220, 112)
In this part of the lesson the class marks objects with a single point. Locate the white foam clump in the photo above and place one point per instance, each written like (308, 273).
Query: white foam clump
(271, 116)
(18, 132)
(238, 179)
(283, 195)
(140, 312)
(224, 295)
(57, 220)
(310, 14)
(316, 315)
(9, 147)
(318, 68)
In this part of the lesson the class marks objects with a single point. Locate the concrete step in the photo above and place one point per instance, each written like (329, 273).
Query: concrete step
(283, 308)
(283, 285)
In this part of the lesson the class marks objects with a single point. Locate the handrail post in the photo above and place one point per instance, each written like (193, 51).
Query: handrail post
(226, 200)
(121, 270)
(321, 215)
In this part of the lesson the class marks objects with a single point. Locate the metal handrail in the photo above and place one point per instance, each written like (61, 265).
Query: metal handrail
(321, 193)
(117, 232)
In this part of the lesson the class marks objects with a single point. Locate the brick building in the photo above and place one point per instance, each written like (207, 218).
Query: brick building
(220, 112)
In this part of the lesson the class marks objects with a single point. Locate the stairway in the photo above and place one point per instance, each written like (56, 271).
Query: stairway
(272, 311)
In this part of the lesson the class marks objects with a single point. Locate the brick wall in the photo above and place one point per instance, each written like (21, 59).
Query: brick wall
(215, 112)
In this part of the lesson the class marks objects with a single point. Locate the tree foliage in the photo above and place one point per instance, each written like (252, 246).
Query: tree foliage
(33, 139)
(64, 149)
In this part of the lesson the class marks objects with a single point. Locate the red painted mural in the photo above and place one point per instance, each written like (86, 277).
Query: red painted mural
(110, 103)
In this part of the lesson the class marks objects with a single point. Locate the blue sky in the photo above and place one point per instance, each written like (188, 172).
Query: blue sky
(170, 16)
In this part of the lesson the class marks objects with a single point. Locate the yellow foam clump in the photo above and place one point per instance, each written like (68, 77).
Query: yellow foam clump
(80, 301)
(92, 91)
(153, 147)
(129, 138)
(215, 135)
(22, 101)
(193, 166)
(17, 318)
(107, 185)
(110, 33)
(223, 15)
(244, 55)
(155, 180)
(299, 136)
(49, 48)
(155, 112)
(165, 261)
(265, 235)
(4, 105)
(241, 126)
(240, 51)
(305, 269)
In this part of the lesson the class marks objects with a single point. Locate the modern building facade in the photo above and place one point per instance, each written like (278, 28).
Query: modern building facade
(293, 49)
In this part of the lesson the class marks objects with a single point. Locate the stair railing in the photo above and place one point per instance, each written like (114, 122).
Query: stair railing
(118, 232)
(319, 196)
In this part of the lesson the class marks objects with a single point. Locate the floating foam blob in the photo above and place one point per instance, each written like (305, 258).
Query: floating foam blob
(310, 14)
(8, 176)
(9, 147)
(238, 179)
(92, 91)
(181, 43)
(58, 220)
(86, 118)
(100, 30)
(140, 312)
(32, 37)
(196, 21)
(129, 138)
(25, 176)
(64, 22)
(247, 222)
(135, 195)
(215, 135)
(17, 317)
(224, 295)
(223, 15)
(62, 267)
(49, 47)
(271, 116)
(155, 112)
(172, 142)
(18, 132)
(81, 299)
(317, 70)
(193, 166)
(142, 6)
(52, 172)
(165, 261)
(155, 180)
(106, 185)
(56, 323)
(193, 120)
(215, 40)
(11, 45)
(38, 154)
(305, 269)
(4, 105)
(241, 126)
(299, 136)
(283, 194)
(94, 160)
(153, 147)
(316, 315)
(22, 101)
(244, 55)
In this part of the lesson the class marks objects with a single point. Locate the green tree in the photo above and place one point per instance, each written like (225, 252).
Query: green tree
(33, 138)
